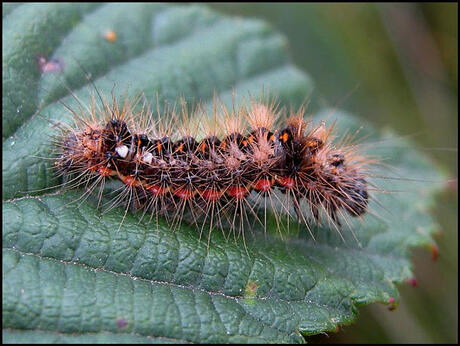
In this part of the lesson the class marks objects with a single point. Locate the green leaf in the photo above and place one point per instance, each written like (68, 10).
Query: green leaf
(71, 274)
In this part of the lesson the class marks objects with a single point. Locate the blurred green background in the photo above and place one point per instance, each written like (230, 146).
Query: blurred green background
(397, 66)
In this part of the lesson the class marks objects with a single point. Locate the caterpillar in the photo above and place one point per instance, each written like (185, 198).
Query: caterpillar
(214, 168)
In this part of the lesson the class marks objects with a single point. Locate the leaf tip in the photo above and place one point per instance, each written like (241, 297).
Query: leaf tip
(392, 304)
(412, 281)
(434, 251)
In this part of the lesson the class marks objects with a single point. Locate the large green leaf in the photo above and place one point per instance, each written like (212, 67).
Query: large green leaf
(73, 275)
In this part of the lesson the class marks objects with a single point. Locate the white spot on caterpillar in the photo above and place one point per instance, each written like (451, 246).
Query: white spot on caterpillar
(122, 150)
(147, 158)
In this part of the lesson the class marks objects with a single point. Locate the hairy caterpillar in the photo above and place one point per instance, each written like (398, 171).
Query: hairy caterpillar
(213, 168)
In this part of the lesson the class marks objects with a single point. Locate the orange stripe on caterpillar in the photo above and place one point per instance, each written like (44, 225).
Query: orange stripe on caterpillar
(238, 192)
(263, 184)
(211, 194)
(286, 182)
(184, 194)
(104, 171)
(156, 190)
(130, 180)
